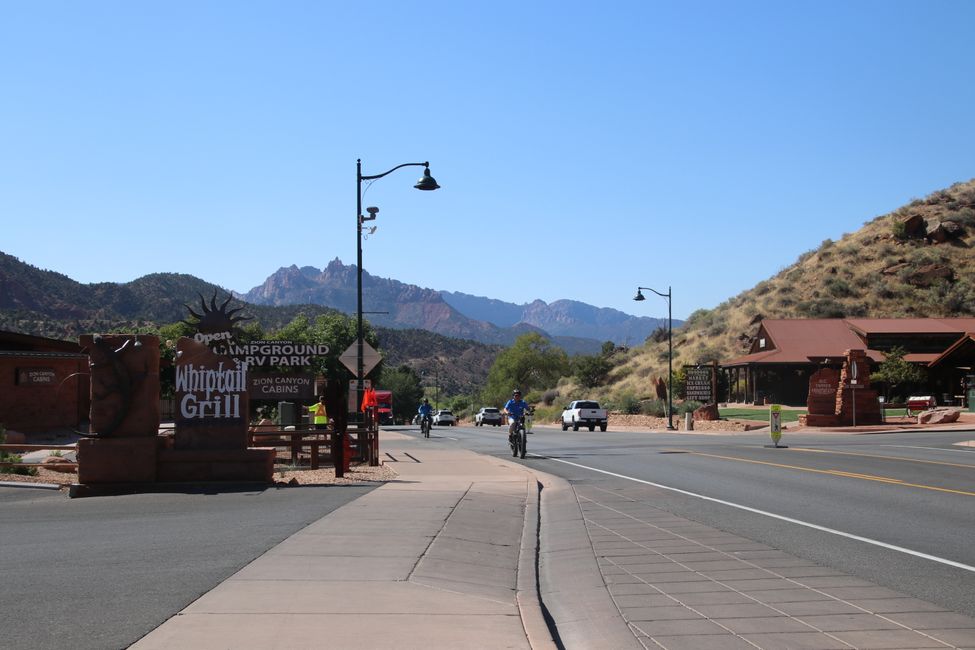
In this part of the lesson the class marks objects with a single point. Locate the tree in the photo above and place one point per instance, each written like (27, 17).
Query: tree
(895, 372)
(591, 370)
(407, 392)
(532, 363)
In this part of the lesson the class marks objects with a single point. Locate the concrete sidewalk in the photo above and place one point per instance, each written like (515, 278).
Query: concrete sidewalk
(447, 556)
(442, 557)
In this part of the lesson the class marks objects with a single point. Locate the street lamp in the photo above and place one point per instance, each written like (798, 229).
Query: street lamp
(426, 182)
(670, 353)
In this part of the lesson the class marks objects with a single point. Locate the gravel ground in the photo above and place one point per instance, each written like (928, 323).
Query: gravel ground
(323, 476)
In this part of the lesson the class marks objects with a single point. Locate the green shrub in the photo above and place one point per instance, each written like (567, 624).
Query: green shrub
(688, 406)
(625, 403)
(655, 407)
(22, 470)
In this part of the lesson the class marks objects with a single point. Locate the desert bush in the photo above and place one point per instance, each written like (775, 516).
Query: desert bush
(625, 402)
(688, 406)
(821, 308)
(655, 407)
(899, 230)
(838, 288)
(707, 354)
(716, 329)
(659, 335)
(965, 216)
(699, 318)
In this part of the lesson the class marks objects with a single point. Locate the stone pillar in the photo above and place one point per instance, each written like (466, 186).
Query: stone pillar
(867, 405)
(124, 412)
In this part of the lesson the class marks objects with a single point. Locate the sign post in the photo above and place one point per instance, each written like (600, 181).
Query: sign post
(853, 387)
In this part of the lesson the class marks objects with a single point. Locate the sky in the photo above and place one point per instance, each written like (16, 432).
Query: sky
(583, 149)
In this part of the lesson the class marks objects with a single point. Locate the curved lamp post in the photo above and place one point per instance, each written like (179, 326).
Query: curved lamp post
(670, 353)
(426, 182)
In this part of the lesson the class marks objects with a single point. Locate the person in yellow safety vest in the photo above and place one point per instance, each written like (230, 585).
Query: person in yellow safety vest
(318, 413)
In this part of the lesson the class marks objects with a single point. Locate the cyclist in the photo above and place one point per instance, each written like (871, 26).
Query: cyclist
(515, 408)
(425, 411)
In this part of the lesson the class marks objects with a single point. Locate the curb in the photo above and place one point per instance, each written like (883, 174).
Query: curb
(527, 594)
(24, 484)
(571, 584)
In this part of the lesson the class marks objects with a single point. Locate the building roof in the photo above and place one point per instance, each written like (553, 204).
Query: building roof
(27, 342)
(805, 340)
(963, 346)
(796, 340)
(867, 326)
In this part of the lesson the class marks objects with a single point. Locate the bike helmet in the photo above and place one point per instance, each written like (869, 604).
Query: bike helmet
(516, 392)
(426, 401)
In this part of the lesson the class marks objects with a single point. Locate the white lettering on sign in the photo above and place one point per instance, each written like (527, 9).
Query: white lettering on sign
(266, 353)
(225, 406)
(207, 339)
(211, 393)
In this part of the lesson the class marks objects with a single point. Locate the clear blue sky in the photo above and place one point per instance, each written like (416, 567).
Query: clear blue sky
(583, 148)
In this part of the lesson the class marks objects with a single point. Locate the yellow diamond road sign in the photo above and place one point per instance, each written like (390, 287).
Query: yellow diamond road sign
(369, 358)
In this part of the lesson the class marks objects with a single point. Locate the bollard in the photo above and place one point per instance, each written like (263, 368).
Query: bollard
(688, 421)
(338, 452)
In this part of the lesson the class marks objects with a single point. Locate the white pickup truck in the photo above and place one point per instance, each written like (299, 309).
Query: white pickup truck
(584, 413)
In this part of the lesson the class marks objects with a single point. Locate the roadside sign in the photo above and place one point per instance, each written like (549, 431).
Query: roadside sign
(775, 423)
(370, 358)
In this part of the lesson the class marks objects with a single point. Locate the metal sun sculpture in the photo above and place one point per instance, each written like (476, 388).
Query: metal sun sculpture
(215, 319)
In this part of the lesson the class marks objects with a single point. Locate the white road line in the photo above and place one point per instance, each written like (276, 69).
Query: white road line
(867, 540)
(962, 451)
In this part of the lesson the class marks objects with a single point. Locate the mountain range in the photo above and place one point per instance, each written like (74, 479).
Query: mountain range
(574, 326)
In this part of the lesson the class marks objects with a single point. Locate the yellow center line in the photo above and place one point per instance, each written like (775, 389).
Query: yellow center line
(836, 472)
(906, 460)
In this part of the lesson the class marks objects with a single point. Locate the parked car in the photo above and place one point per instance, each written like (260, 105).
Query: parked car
(487, 415)
(444, 417)
(586, 413)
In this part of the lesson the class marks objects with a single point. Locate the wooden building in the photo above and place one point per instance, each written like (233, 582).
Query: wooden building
(785, 352)
(43, 383)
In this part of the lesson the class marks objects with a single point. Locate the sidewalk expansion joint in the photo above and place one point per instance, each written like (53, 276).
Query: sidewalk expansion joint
(443, 526)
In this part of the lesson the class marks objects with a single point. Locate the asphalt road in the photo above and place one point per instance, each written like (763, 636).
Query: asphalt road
(895, 509)
(101, 572)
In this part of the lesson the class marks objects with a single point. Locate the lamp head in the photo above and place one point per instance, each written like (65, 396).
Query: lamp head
(427, 182)
(639, 295)
(372, 212)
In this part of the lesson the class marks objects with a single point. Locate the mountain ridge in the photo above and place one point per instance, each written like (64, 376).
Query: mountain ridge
(575, 326)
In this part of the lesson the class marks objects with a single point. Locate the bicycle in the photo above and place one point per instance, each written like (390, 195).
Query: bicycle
(425, 426)
(518, 440)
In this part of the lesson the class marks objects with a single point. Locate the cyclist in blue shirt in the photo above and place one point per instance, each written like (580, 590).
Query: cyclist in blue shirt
(425, 411)
(515, 408)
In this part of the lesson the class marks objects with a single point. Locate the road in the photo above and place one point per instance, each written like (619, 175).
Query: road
(102, 572)
(896, 509)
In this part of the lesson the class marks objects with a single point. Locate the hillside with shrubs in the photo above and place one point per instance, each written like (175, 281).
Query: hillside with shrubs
(917, 261)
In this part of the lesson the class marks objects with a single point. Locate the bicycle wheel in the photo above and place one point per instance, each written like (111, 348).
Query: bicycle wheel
(522, 441)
